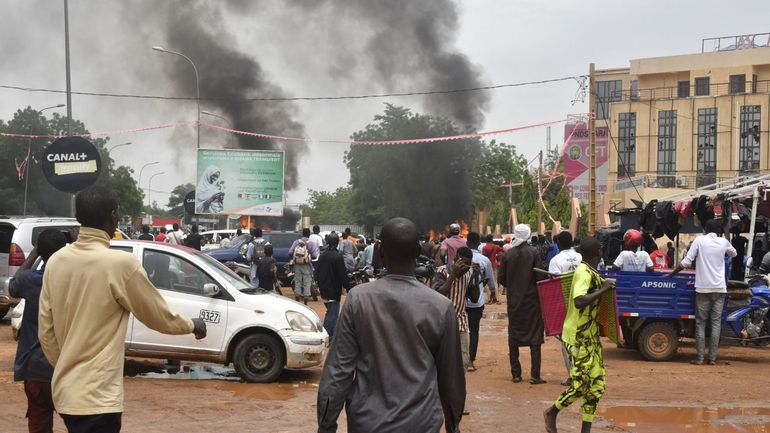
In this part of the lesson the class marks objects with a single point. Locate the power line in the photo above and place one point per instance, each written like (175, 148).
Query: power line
(298, 98)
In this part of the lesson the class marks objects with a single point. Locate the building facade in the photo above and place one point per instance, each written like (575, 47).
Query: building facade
(686, 121)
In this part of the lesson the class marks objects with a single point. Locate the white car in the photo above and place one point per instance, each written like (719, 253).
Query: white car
(259, 332)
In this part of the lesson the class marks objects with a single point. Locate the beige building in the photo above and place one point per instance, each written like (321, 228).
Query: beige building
(686, 121)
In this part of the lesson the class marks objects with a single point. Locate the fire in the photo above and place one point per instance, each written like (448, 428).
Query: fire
(431, 235)
(463, 229)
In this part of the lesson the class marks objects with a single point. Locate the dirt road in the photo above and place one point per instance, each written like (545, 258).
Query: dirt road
(641, 396)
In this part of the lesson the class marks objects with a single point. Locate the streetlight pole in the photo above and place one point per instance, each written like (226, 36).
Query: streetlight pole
(118, 145)
(197, 86)
(29, 159)
(142, 169)
(67, 66)
(225, 119)
(149, 188)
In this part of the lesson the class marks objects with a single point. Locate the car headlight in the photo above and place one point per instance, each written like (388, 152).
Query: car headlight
(300, 322)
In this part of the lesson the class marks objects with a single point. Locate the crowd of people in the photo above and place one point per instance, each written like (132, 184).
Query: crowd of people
(399, 350)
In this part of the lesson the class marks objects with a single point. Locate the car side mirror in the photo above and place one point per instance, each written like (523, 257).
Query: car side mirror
(211, 290)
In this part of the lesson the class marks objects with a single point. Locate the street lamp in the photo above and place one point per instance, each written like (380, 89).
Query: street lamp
(149, 188)
(142, 169)
(40, 111)
(197, 86)
(229, 123)
(118, 145)
(29, 160)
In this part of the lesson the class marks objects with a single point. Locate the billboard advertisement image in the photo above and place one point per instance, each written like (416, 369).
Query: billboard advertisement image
(577, 160)
(243, 182)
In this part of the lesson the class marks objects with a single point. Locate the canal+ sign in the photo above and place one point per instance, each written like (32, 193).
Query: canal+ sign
(71, 164)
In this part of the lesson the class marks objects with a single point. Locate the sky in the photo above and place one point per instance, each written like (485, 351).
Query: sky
(318, 51)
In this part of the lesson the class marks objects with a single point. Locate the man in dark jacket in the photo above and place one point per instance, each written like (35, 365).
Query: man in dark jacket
(332, 275)
(525, 324)
(30, 365)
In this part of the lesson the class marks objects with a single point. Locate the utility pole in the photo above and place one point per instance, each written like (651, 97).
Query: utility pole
(539, 194)
(592, 150)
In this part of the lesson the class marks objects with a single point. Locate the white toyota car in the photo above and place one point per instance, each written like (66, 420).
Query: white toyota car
(259, 332)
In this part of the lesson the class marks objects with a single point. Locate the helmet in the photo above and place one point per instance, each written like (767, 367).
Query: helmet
(632, 238)
(454, 228)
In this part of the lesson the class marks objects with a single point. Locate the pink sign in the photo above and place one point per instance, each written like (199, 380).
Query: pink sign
(577, 159)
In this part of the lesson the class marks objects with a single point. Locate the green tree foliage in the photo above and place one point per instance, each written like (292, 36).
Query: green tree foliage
(176, 199)
(42, 198)
(428, 183)
(329, 207)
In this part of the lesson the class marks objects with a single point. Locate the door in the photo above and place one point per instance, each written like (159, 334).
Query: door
(180, 282)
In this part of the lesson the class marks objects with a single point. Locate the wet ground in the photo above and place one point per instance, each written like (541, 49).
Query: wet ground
(641, 397)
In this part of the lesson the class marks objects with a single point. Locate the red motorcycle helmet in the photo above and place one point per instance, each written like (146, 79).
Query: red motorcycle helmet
(632, 239)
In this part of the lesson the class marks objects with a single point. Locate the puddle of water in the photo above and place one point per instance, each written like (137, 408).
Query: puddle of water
(266, 391)
(688, 419)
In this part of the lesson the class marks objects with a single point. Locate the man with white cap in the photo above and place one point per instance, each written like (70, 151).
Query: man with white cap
(450, 245)
(525, 324)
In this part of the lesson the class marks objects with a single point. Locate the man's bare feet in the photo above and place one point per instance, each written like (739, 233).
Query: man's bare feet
(550, 419)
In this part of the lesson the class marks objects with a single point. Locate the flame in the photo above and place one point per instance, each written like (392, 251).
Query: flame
(435, 234)
(463, 228)
(431, 235)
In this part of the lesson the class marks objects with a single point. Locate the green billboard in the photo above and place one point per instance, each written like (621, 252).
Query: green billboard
(242, 182)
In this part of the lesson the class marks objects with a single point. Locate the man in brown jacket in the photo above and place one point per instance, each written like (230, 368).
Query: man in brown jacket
(525, 324)
(88, 293)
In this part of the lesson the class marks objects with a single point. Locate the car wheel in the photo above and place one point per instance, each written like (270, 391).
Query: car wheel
(259, 358)
(658, 341)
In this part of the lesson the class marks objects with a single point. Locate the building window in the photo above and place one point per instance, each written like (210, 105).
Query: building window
(748, 151)
(702, 85)
(683, 89)
(634, 90)
(707, 147)
(667, 148)
(626, 144)
(737, 84)
(606, 92)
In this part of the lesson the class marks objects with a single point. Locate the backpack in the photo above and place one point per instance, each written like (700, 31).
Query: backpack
(301, 255)
(258, 253)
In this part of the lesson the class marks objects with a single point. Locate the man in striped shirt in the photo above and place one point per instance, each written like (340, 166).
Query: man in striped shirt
(459, 281)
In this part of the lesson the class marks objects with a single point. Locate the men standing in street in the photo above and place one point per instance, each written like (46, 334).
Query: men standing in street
(88, 293)
(30, 364)
(369, 252)
(492, 251)
(176, 236)
(302, 252)
(146, 236)
(567, 260)
(459, 282)
(348, 250)
(194, 239)
(255, 253)
(476, 309)
(708, 254)
(162, 235)
(332, 276)
(317, 238)
(581, 337)
(450, 245)
(525, 323)
(395, 360)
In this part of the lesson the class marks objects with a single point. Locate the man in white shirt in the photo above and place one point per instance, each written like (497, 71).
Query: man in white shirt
(631, 258)
(708, 253)
(175, 237)
(567, 260)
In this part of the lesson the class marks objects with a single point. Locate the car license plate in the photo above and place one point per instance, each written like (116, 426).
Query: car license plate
(209, 316)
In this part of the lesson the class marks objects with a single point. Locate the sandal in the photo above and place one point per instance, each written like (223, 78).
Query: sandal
(537, 381)
(517, 379)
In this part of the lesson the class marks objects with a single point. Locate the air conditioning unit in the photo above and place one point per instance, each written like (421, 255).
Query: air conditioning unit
(681, 181)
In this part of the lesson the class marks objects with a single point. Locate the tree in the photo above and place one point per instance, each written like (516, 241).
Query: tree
(329, 207)
(498, 165)
(176, 199)
(428, 183)
(42, 198)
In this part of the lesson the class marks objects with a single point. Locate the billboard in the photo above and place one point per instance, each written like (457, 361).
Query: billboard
(243, 182)
(577, 159)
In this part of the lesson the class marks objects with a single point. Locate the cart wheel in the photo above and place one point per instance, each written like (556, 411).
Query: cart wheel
(658, 341)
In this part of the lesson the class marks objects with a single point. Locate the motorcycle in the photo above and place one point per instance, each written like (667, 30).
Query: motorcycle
(747, 308)
(425, 269)
(361, 276)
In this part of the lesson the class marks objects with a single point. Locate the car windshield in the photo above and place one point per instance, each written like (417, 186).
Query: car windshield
(223, 271)
(281, 240)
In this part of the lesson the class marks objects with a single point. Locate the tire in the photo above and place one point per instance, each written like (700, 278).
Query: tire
(259, 358)
(658, 341)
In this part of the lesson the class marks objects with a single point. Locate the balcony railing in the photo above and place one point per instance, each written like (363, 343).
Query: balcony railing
(717, 89)
(738, 42)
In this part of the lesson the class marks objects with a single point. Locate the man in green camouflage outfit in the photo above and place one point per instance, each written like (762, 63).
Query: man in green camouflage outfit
(581, 338)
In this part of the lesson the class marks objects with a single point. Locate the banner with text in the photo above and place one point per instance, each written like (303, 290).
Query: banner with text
(243, 182)
(577, 160)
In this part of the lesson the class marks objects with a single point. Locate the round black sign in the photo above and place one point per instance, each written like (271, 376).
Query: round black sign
(71, 164)
(189, 202)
